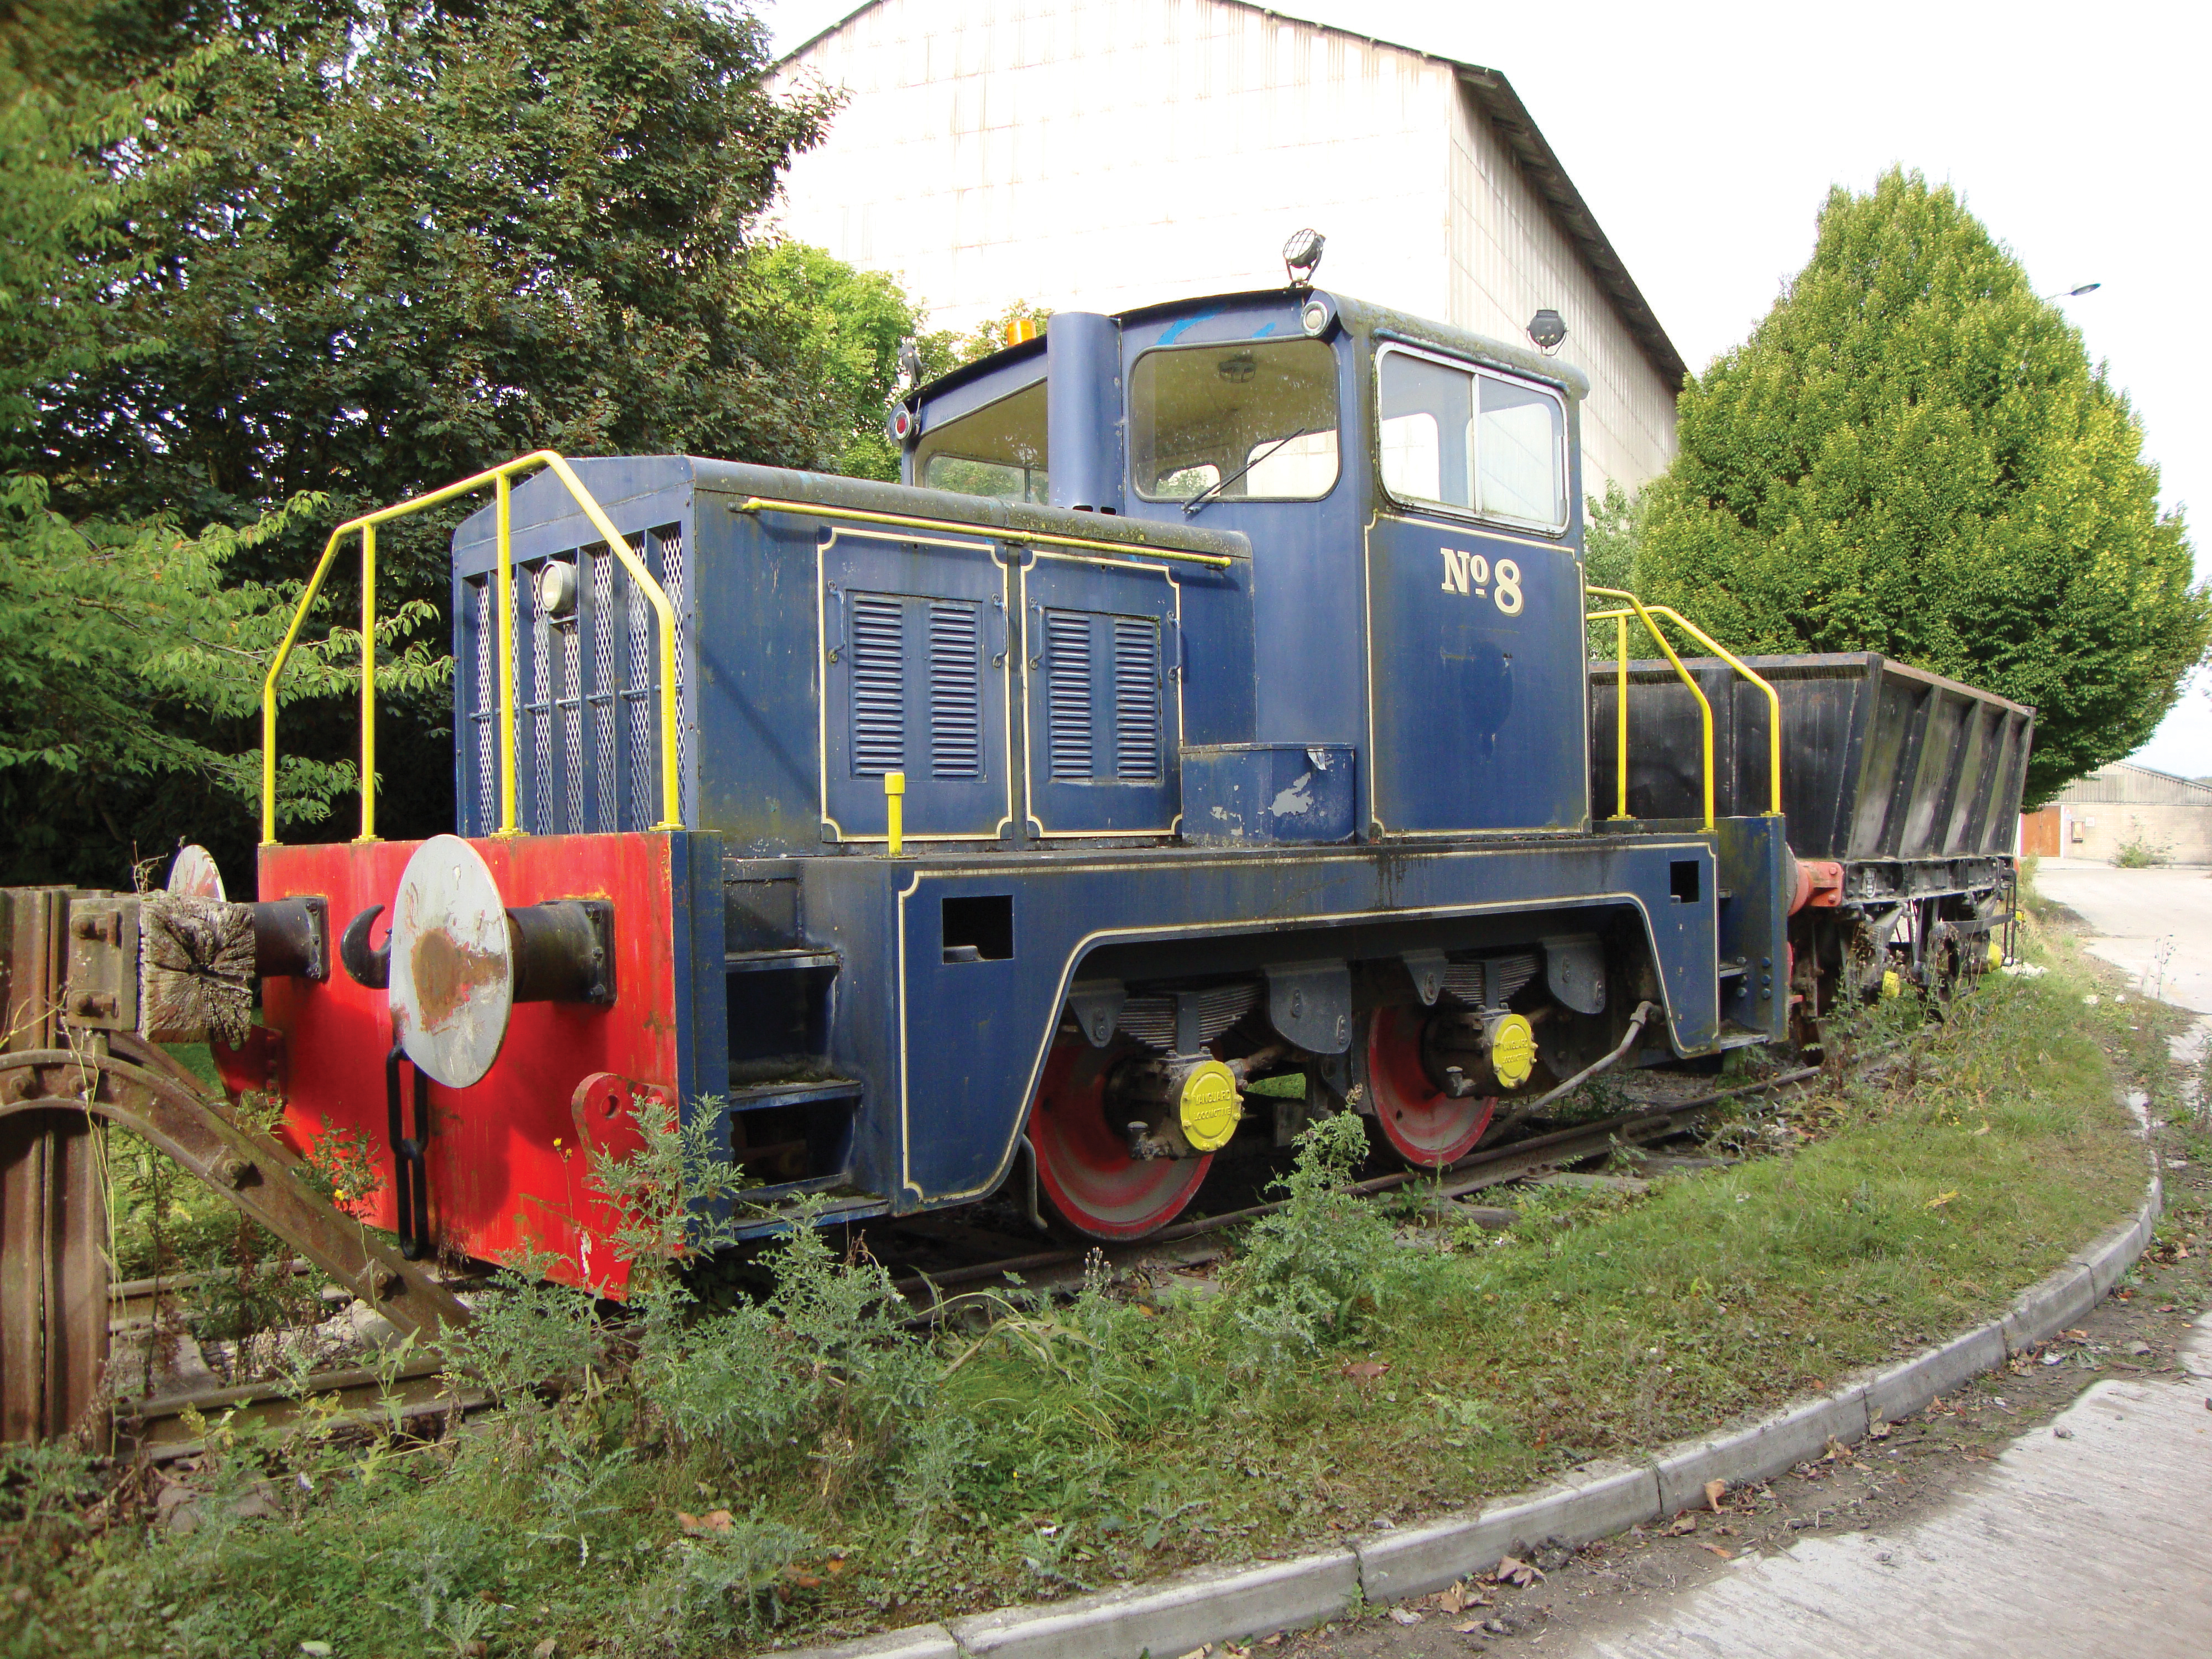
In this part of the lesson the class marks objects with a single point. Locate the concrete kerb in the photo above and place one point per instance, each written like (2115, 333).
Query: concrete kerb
(920, 1642)
(1172, 1616)
(1213, 1604)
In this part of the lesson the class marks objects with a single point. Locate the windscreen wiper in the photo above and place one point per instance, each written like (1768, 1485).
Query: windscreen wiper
(1216, 488)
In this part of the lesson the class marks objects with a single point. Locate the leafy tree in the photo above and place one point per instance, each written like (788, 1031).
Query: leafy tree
(356, 250)
(851, 326)
(991, 334)
(129, 667)
(1913, 454)
(396, 241)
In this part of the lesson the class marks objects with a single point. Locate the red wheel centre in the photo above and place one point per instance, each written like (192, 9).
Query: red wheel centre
(1423, 1125)
(1083, 1161)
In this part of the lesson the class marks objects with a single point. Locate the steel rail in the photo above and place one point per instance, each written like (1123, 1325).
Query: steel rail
(501, 479)
(1533, 1156)
(1491, 1168)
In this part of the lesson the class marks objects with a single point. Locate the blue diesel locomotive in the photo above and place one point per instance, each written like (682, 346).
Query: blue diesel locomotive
(1209, 702)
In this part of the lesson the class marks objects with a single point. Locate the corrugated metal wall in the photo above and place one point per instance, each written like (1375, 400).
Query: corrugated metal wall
(2120, 784)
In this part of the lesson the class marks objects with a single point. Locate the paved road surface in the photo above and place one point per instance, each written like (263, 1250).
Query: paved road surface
(2095, 1544)
(2137, 916)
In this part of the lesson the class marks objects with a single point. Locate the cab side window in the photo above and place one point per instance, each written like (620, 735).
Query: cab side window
(998, 450)
(1463, 438)
(1253, 420)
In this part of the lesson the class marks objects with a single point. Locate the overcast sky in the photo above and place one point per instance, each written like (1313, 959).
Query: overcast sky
(1704, 135)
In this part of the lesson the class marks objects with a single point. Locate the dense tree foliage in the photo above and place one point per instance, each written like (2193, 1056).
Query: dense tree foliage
(271, 262)
(1913, 454)
(399, 241)
(131, 658)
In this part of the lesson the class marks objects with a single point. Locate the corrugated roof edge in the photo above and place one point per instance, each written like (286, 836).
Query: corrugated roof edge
(2104, 774)
(1532, 152)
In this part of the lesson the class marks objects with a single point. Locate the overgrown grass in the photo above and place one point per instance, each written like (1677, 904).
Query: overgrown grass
(691, 1480)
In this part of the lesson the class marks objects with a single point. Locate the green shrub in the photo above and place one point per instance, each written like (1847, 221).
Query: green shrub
(1308, 1273)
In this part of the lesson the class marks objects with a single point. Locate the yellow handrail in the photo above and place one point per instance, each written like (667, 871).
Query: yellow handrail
(1620, 707)
(1704, 707)
(996, 532)
(1619, 618)
(501, 477)
(1773, 701)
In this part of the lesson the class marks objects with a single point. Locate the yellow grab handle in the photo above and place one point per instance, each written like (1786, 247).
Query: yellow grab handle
(895, 811)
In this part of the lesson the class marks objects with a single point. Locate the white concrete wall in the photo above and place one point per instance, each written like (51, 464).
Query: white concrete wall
(1099, 155)
(2096, 831)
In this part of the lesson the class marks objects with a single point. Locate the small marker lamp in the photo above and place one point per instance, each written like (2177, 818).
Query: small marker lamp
(1548, 330)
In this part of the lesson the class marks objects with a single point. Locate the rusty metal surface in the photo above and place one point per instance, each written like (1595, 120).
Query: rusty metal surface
(132, 1087)
(101, 992)
(53, 1268)
(452, 962)
(53, 1275)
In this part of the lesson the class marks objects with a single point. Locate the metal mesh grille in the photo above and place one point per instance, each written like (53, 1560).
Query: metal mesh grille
(956, 690)
(637, 692)
(878, 686)
(586, 694)
(1136, 697)
(486, 732)
(604, 628)
(529, 616)
(673, 578)
(1068, 692)
(569, 691)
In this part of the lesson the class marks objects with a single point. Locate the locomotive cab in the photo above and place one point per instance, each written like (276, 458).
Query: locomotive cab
(1420, 480)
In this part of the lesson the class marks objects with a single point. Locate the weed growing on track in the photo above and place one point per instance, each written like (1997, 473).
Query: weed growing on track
(695, 1478)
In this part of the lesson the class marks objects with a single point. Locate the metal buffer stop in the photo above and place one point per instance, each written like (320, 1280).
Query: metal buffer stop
(456, 961)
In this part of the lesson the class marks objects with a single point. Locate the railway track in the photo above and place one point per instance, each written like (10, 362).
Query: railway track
(1519, 1160)
(416, 1393)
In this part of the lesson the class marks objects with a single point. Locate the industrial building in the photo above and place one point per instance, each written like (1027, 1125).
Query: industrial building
(2168, 818)
(1101, 155)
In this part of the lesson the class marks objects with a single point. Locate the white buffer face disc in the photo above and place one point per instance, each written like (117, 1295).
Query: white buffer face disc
(193, 875)
(453, 967)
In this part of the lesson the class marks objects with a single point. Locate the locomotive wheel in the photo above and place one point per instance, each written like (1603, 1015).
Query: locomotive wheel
(1422, 1125)
(1090, 1185)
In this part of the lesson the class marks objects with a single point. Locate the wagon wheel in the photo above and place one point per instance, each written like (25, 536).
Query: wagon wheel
(1944, 956)
(1090, 1185)
(1420, 1124)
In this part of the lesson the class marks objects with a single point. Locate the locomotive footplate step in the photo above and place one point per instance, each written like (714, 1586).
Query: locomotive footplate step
(790, 961)
(800, 1091)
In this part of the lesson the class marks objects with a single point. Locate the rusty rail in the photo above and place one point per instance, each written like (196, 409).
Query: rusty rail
(71, 1066)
